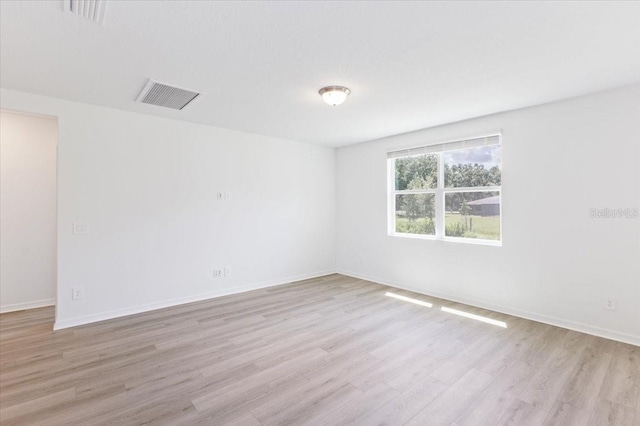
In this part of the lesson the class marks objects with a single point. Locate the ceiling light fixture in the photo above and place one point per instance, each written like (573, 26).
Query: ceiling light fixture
(334, 95)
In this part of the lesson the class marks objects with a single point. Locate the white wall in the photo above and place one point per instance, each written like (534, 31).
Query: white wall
(146, 186)
(27, 211)
(556, 263)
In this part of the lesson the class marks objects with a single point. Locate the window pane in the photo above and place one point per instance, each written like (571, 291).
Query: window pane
(472, 215)
(472, 167)
(415, 213)
(418, 172)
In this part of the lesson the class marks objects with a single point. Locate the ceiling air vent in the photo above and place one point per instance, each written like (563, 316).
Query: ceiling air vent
(90, 9)
(155, 93)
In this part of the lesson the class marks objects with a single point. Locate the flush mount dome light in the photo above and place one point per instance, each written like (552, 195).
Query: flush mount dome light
(334, 95)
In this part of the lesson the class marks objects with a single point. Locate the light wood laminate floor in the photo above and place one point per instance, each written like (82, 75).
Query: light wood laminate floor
(328, 351)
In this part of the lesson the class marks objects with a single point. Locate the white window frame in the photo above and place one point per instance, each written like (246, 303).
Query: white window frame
(440, 191)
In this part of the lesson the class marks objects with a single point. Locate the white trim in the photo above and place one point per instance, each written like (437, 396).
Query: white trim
(441, 205)
(391, 196)
(417, 191)
(431, 237)
(446, 145)
(87, 319)
(477, 241)
(533, 316)
(631, 339)
(27, 305)
(473, 189)
(440, 192)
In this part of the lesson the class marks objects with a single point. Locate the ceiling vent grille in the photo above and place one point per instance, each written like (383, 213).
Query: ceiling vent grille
(90, 9)
(164, 95)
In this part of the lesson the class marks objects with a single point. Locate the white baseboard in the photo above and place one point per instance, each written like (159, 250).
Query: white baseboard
(559, 322)
(27, 305)
(74, 322)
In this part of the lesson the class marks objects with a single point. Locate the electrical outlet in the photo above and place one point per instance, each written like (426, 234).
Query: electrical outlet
(227, 196)
(217, 273)
(80, 228)
(610, 303)
(77, 293)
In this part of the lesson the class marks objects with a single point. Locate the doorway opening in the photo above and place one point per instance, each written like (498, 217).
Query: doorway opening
(28, 210)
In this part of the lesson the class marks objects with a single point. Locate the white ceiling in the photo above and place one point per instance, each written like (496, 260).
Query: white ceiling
(409, 65)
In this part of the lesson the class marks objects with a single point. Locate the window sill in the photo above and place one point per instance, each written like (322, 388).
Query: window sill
(493, 243)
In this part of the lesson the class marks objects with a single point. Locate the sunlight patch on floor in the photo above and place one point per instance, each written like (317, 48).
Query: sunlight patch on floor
(408, 299)
(474, 317)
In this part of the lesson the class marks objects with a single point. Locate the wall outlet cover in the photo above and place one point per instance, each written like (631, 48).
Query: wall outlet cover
(77, 293)
(610, 303)
(80, 228)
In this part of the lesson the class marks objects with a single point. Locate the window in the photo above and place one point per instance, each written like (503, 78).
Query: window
(450, 191)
